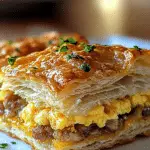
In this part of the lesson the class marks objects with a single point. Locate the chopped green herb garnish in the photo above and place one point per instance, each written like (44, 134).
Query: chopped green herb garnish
(50, 42)
(71, 41)
(85, 67)
(70, 56)
(82, 44)
(13, 142)
(35, 68)
(11, 60)
(137, 48)
(10, 42)
(61, 41)
(105, 45)
(63, 49)
(56, 50)
(78, 57)
(3, 145)
(88, 48)
(32, 69)
(17, 49)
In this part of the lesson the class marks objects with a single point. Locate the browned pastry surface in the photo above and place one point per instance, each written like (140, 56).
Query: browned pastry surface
(27, 45)
(57, 73)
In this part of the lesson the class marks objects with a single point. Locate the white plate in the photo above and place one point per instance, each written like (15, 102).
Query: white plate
(139, 144)
(18, 146)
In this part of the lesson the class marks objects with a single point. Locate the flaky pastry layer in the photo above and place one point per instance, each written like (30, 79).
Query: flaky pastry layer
(115, 71)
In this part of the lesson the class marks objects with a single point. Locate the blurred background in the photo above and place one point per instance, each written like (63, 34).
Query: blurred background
(96, 19)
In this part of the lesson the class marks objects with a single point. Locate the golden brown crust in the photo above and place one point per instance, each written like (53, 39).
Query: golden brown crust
(25, 46)
(57, 73)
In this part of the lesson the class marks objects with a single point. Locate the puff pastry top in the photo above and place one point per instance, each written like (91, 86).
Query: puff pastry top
(55, 71)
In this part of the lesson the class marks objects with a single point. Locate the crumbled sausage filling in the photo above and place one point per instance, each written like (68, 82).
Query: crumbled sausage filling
(1, 108)
(11, 105)
(43, 133)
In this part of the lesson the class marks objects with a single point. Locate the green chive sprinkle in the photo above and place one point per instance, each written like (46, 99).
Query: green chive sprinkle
(10, 42)
(71, 41)
(88, 48)
(70, 56)
(61, 41)
(35, 68)
(82, 44)
(17, 49)
(3, 145)
(50, 42)
(13, 142)
(11, 60)
(137, 48)
(79, 57)
(85, 67)
(63, 49)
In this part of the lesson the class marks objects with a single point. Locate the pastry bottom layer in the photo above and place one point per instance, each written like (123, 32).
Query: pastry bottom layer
(133, 127)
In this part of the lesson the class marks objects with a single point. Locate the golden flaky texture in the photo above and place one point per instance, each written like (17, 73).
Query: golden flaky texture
(93, 74)
(25, 46)
(54, 69)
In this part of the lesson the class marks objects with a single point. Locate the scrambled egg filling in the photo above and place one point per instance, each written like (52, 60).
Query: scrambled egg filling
(32, 115)
(99, 114)
(2, 95)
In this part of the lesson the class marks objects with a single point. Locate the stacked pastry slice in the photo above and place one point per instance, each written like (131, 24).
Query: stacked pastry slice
(78, 96)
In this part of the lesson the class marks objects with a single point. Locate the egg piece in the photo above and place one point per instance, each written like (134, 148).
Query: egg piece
(2, 95)
(28, 114)
(42, 117)
(139, 100)
(59, 121)
(122, 106)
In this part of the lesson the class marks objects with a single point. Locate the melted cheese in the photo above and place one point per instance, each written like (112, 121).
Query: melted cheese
(2, 95)
(99, 114)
